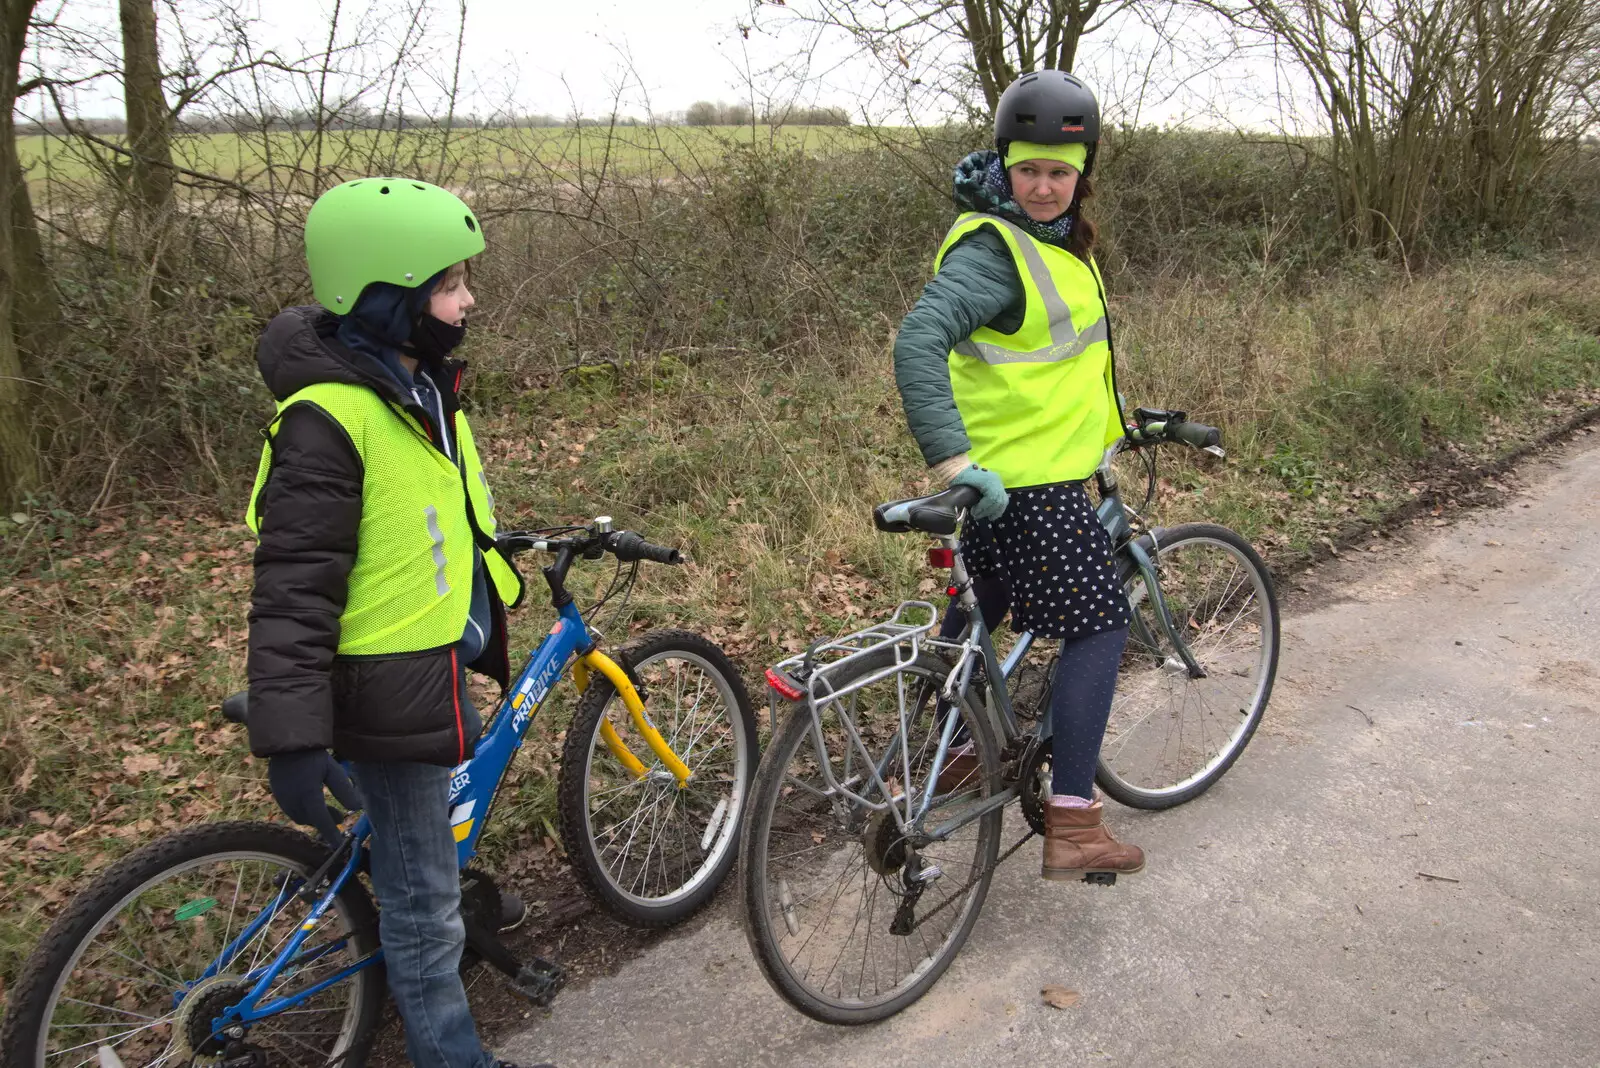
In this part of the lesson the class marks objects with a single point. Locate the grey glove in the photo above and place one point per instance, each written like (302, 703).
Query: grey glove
(297, 780)
(992, 504)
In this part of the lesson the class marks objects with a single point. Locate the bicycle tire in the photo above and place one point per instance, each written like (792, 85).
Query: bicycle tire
(60, 952)
(1116, 783)
(707, 853)
(755, 867)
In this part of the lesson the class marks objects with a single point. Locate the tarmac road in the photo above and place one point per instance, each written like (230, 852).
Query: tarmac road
(1437, 711)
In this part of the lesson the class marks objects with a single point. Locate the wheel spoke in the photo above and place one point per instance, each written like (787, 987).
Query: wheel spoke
(1170, 734)
(823, 904)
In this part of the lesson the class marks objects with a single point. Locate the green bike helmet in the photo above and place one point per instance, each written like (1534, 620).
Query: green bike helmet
(391, 230)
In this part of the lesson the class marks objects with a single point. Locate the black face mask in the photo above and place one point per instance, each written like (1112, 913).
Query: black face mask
(434, 338)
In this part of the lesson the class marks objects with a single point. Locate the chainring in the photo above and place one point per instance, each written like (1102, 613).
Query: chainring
(1034, 794)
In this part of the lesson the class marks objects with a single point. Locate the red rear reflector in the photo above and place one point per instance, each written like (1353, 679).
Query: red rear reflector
(950, 591)
(781, 683)
(941, 557)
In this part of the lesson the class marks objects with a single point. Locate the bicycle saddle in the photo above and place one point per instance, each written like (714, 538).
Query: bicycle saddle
(236, 707)
(936, 514)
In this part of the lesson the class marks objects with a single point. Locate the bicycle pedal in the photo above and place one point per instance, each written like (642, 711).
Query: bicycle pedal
(539, 982)
(1100, 878)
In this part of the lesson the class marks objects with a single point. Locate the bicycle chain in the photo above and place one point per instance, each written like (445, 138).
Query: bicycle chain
(961, 892)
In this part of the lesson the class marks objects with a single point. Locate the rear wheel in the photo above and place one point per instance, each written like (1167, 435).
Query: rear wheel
(1170, 736)
(850, 919)
(652, 852)
(140, 961)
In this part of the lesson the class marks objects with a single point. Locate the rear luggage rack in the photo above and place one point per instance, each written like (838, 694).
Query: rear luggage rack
(814, 670)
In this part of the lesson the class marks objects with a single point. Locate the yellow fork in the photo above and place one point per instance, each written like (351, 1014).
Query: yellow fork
(602, 663)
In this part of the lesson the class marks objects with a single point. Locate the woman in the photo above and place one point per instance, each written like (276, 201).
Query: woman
(1005, 369)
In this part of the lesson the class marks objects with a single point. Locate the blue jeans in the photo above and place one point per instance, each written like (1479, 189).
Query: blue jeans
(419, 897)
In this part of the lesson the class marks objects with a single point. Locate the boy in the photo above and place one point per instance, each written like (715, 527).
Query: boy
(377, 581)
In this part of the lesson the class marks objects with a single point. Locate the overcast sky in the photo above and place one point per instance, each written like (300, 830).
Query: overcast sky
(538, 55)
(642, 56)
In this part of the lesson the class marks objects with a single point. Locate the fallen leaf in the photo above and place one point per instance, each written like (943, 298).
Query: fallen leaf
(47, 840)
(141, 763)
(1059, 997)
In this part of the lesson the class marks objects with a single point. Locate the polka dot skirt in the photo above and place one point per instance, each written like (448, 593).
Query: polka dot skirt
(1052, 551)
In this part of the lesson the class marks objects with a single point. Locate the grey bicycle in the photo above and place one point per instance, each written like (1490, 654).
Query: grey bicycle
(864, 867)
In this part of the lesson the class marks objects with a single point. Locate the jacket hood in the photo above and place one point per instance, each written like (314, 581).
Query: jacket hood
(299, 348)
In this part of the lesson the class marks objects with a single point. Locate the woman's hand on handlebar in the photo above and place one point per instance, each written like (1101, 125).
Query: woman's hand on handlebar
(993, 500)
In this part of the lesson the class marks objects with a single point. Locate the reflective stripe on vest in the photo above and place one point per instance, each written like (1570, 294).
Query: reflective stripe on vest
(1065, 340)
(410, 587)
(1039, 404)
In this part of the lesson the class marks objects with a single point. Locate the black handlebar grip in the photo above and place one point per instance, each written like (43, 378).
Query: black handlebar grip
(630, 546)
(962, 496)
(1197, 435)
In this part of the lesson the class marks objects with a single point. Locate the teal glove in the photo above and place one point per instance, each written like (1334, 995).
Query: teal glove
(992, 504)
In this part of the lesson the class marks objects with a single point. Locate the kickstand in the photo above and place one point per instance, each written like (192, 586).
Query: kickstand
(538, 981)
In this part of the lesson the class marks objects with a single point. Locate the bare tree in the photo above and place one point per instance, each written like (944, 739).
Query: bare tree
(1525, 88)
(21, 264)
(989, 42)
(149, 120)
(1429, 103)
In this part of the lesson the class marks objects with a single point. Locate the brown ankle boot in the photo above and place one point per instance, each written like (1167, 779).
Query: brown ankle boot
(1076, 843)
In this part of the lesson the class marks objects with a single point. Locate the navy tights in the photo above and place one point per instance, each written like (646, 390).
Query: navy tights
(1080, 694)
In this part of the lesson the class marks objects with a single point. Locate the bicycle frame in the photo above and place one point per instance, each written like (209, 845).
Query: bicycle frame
(473, 786)
(975, 645)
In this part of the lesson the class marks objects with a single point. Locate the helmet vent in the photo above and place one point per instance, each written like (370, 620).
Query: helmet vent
(1027, 119)
(384, 189)
(414, 185)
(470, 224)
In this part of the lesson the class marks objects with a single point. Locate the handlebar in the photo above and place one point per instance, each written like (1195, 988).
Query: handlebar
(626, 545)
(1153, 425)
(1195, 435)
(591, 542)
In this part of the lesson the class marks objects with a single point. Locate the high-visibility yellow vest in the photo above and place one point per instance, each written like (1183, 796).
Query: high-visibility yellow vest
(411, 586)
(1040, 404)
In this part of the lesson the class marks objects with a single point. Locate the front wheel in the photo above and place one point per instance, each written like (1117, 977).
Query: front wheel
(652, 852)
(174, 933)
(1171, 736)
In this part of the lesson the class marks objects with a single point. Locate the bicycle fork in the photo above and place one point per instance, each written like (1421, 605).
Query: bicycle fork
(1147, 569)
(595, 660)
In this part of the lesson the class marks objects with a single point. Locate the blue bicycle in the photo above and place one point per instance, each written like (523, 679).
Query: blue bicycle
(245, 944)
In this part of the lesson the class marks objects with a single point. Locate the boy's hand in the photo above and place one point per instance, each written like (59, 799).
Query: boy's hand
(297, 780)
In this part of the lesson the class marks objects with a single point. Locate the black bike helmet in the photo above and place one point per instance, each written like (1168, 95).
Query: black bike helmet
(1050, 107)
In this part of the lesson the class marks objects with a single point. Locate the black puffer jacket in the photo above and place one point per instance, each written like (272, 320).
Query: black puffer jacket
(302, 695)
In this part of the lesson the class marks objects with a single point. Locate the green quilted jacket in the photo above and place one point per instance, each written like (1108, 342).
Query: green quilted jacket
(977, 285)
